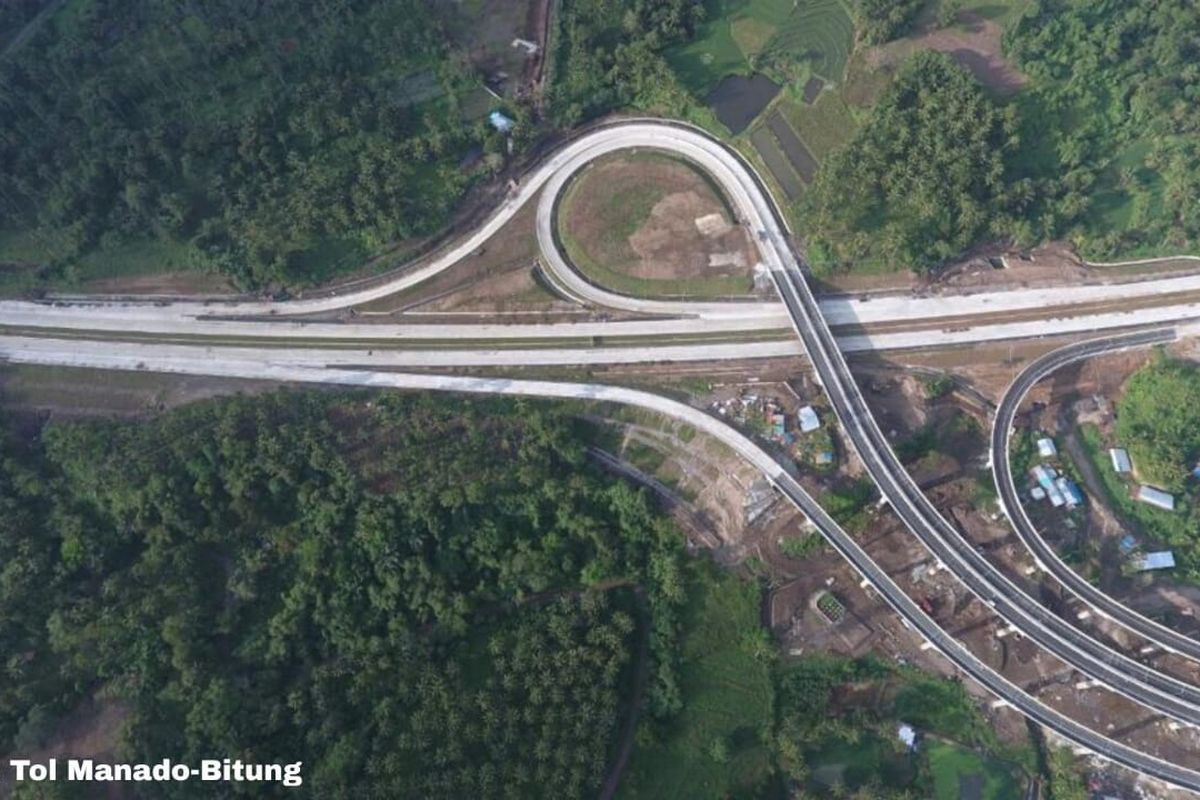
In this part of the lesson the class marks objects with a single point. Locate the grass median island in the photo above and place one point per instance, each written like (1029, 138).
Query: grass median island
(649, 225)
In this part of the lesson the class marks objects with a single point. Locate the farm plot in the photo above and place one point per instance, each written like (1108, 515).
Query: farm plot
(795, 150)
(818, 33)
(788, 40)
(824, 126)
(777, 163)
(787, 157)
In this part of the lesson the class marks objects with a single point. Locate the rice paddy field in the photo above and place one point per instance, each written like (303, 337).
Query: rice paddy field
(784, 38)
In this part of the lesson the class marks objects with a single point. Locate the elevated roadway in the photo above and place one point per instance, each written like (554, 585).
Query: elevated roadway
(1138, 682)
(1014, 509)
(228, 364)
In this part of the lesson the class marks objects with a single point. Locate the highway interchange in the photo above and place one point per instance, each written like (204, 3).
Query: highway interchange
(249, 339)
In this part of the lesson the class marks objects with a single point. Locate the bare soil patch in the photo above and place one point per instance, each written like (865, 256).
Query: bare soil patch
(653, 217)
(486, 29)
(162, 283)
(46, 391)
(975, 43)
(497, 277)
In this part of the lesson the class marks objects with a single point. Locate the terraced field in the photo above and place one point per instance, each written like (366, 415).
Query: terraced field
(783, 38)
(819, 32)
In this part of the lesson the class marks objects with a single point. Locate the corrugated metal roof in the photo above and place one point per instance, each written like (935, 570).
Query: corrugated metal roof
(1163, 559)
(1156, 497)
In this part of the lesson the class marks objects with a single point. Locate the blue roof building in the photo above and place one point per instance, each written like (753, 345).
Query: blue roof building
(500, 122)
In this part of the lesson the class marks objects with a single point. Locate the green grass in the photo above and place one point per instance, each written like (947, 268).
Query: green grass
(646, 458)
(130, 259)
(854, 765)
(1149, 523)
(713, 53)
(1002, 12)
(950, 763)
(726, 694)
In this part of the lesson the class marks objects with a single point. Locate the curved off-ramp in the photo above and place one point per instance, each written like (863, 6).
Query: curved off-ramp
(1014, 509)
(216, 362)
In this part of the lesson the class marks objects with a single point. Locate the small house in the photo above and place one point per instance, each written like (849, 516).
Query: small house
(1156, 497)
(1120, 460)
(1046, 448)
(1070, 492)
(778, 425)
(807, 417)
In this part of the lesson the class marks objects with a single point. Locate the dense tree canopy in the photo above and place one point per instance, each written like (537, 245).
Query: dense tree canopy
(881, 21)
(395, 591)
(256, 135)
(608, 54)
(925, 178)
(1116, 109)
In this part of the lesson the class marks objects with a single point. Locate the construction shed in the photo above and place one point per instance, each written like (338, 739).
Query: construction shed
(1163, 559)
(807, 417)
(1156, 497)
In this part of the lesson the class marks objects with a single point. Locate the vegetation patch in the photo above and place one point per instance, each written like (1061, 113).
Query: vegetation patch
(959, 773)
(795, 150)
(1154, 527)
(817, 36)
(1113, 101)
(881, 21)
(245, 141)
(837, 720)
(778, 164)
(432, 598)
(922, 180)
(711, 748)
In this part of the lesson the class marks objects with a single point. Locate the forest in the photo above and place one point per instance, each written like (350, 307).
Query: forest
(276, 143)
(1113, 114)
(261, 138)
(879, 21)
(1100, 148)
(416, 597)
(926, 177)
(608, 56)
